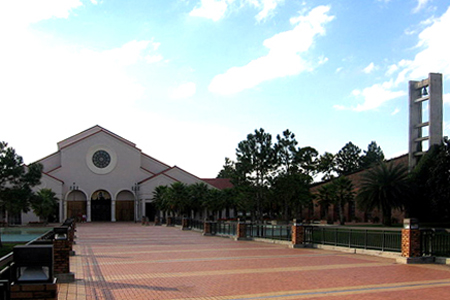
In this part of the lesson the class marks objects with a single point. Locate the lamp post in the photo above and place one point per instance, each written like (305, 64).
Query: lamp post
(135, 189)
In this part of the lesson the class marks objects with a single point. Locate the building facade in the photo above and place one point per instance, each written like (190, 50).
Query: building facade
(100, 176)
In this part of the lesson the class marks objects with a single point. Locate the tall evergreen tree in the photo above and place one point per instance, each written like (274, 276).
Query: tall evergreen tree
(372, 156)
(327, 165)
(348, 159)
(256, 159)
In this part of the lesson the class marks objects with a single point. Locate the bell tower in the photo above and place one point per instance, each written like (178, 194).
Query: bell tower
(425, 116)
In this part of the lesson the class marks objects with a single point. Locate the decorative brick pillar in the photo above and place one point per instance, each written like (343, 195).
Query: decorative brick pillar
(411, 238)
(298, 234)
(61, 259)
(61, 256)
(241, 230)
(207, 228)
(185, 224)
(27, 291)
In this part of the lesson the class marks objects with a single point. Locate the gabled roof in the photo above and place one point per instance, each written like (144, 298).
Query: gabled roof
(88, 133)
(163, 173)
(220, 183)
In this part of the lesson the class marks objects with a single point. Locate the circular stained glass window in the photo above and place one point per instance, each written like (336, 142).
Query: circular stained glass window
(101, 159)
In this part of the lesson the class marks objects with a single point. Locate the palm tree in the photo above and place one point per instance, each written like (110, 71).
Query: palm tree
(160, 199)
(325, 196)
(343, 194)
(44, 204)
(339, 192)
(384, 187)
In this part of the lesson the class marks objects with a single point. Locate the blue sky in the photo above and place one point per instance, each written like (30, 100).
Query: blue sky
(187, 80)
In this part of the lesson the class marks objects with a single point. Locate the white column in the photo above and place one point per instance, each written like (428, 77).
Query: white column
(113, 210)
(88, 210)
(150, 218)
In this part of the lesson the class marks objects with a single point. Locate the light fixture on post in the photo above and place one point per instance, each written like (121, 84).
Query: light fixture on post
(74, 187)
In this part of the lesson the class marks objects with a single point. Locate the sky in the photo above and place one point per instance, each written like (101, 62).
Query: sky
(187, 80)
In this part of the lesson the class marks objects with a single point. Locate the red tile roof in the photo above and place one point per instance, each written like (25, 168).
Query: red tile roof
(220, 183)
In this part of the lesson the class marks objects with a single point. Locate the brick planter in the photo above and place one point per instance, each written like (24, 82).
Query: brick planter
(48, 291)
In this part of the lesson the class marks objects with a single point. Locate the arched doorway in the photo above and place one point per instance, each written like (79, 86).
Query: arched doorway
(125, 206)
(101, 206)
(76, 205)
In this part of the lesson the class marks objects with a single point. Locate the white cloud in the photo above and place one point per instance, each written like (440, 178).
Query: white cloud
(432, 57)
(216, 9)
(267, 7)
(376, 95)
(420, 5)
(23, 12)
(396, 111)
(446, 99)
(210, 9)
(371, 67)
(284, 57)
(186, 90)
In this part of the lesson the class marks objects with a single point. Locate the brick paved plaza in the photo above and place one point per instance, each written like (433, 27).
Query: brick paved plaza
(131, 261)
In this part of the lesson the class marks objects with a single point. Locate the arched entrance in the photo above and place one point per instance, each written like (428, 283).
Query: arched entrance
(76, 205)
(101, 206)
(125, 206)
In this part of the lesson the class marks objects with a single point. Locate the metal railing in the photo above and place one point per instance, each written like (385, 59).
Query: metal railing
(226, 228)
(435, 242)
(196, 224)
(265, 231)
(370, 239)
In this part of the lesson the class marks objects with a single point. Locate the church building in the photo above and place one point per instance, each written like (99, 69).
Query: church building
(100, 176)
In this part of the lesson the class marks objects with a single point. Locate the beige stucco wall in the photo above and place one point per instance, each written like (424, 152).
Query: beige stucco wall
(72, 166)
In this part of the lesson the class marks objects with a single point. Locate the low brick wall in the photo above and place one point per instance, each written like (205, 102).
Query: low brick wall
(48, 291)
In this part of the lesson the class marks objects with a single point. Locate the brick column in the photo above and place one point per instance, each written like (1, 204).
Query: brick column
(411, 238)
(298, 234)
(207, 228)
(411, 243)
(61, 256)
(241, 230)
(61, 260)
(185, 224)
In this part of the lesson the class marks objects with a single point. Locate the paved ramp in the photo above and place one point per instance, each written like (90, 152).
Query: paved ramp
(129, 261)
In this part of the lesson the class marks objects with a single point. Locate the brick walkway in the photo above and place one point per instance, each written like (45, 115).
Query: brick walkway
(130, 261)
